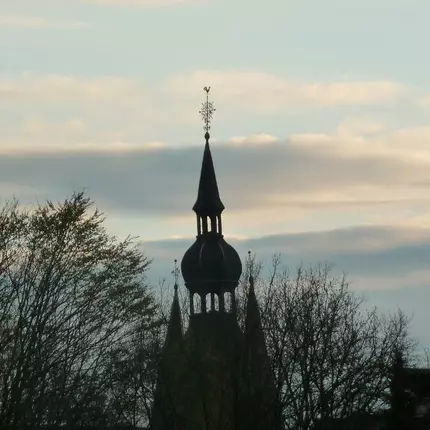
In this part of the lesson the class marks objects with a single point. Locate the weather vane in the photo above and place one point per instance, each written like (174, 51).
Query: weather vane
(176, 272)
(207, 111)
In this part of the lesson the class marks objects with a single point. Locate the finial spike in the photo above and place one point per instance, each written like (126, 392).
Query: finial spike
(176, 273)
(251, 270)
(207, 112)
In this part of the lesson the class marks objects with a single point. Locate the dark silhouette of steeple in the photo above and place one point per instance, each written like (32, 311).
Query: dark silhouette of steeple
(253, 327)
(174, 329)
(213, 377)
(211, 265)
(262, 400)
(171, 371)
(208, 206)
(208, 200)
(254, 335)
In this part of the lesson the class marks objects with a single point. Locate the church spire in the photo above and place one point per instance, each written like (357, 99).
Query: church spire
(263, 403)
(211, 268)
(172, 371)
(174, 329)
(253, 326)
(208, 200)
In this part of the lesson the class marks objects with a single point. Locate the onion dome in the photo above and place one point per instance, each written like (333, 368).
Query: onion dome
(211, 265)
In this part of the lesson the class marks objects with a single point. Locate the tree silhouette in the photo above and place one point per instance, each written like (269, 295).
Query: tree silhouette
(331, 355)
(70, 295)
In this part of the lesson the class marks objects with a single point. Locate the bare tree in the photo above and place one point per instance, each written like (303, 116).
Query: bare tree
(330, 354)
(70, 295)
(133, 375)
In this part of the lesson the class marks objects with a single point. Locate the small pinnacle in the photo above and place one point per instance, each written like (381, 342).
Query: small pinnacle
(251, 277)
(176, 273)
(251, 262)
(251, 284)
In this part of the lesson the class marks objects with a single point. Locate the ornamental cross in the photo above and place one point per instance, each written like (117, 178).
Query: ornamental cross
(176, 272)
(207, 110)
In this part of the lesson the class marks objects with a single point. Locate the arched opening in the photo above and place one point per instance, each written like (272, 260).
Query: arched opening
(204, 302)
(191, 303)
(199, 225)
(216, 302)
(219, 224)
(228, 302)
(212, 302)
(233, 302)
(197, 304)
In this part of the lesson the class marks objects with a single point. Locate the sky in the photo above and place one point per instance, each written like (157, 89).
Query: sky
(320, 139)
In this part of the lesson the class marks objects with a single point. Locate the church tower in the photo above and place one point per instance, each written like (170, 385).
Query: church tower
(211, 267)
(209, 377)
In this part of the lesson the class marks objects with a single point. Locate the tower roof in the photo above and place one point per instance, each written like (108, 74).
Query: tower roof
(254, 334)
(208, 200)
(253, 326)
(174, 330)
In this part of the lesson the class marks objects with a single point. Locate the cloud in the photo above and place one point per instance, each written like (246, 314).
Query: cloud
(293, 176)
(108, 102)
(73, 135)
(355, 139)
(101, 133)
(269, 92)
(259, 92)
(423, 101)
(388, 264)
(29, 87)
(122, 112)
(146, 3)
(359, 127)
(36, 126)
(39, 23)
(373, 257)
(255, 139)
